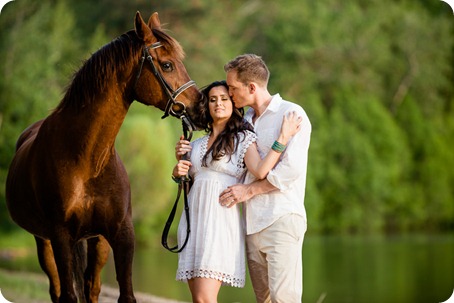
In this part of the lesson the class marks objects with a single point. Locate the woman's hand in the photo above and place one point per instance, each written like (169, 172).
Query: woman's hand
(290, 126)
(182, 147)
(182, 168)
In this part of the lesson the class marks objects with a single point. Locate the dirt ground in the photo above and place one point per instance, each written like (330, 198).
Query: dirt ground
(110, 295)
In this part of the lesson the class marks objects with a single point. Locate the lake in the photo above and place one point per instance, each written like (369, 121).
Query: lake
(337, 269)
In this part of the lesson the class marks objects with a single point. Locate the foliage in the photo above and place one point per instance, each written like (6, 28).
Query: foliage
(146, 145)
(24, 287)
(375, 78)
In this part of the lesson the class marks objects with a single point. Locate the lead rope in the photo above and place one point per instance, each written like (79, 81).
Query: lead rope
(183, 185)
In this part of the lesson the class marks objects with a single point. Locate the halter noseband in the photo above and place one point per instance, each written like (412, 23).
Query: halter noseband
(173, 107)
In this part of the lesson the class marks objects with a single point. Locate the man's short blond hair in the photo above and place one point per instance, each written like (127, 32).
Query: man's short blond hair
(249, 68)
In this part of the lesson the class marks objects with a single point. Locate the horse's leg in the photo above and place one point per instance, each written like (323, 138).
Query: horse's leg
(47, 262)
(123, 249)
(97, 254)
(64, 258)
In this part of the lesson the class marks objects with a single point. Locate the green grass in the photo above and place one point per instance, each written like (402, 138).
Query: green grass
(17, 239)
(18, 252)
(17, 258)
(24, 287)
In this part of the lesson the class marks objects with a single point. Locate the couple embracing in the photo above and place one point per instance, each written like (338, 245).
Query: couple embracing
(247, 191)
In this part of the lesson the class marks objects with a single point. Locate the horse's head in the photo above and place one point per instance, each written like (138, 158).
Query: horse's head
(162, 79)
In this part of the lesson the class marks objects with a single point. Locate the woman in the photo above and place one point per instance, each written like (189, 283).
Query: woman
(214, 255)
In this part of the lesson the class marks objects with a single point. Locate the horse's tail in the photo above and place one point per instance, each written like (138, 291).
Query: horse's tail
(79, 264)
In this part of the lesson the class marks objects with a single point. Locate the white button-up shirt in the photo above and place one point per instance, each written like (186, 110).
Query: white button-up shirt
(289, 175)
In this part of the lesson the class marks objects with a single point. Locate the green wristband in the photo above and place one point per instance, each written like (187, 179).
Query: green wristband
(278, 147)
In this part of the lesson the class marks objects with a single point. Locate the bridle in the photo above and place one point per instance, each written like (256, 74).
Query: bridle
(176, 109)
(173, 107)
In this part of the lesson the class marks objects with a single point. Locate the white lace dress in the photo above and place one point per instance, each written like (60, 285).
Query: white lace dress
(216, 247)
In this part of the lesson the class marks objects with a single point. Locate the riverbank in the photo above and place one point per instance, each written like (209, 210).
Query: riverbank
(410, 268)
(25, 287)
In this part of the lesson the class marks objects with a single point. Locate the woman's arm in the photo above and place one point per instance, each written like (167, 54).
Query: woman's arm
(261, 167)
(181, 169)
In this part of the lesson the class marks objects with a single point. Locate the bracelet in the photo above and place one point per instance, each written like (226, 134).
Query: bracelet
(176, 179)
(278, 147)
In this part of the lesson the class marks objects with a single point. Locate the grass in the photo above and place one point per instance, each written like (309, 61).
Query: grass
(16, 285)
(23, 287)
(18, 252)
(22, 281)
(17, 239)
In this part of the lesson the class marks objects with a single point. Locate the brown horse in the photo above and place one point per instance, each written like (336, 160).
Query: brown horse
(67, 185)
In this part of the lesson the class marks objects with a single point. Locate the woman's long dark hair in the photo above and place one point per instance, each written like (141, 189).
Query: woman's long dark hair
(227, 141)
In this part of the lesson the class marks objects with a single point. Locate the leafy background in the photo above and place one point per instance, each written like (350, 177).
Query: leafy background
(375, 77)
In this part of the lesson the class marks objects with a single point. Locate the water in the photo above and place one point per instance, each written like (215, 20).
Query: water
(347, 269)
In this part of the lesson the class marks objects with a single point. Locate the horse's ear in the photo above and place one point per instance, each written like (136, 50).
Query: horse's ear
(142, 30)
(154, 21)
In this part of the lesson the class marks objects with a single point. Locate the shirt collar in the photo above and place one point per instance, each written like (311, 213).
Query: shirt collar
(274, 105)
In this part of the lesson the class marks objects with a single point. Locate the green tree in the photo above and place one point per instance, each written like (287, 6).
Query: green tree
(145, 144)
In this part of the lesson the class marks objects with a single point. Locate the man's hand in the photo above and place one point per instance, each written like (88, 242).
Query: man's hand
(235, 194)
(239, 193)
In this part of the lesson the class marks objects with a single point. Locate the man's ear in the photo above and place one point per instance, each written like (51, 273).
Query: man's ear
(252, 87)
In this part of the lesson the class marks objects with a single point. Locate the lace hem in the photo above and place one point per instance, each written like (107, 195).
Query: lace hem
(226, 279)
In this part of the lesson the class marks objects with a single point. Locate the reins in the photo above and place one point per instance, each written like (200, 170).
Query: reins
(176, 109)
(183, 185)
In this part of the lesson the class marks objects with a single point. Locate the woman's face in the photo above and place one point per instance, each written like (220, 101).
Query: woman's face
(219, 104)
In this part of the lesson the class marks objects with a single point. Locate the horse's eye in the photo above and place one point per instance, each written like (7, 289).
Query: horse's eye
(167, 67)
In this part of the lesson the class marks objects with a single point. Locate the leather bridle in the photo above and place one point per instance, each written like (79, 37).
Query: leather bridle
(173, 106)
(176, 109)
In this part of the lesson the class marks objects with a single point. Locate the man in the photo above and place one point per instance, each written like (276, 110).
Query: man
(274, 207)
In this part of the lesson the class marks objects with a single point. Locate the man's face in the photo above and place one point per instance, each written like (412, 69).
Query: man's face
(238, 91)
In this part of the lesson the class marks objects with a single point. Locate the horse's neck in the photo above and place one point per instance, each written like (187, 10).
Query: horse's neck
(93, 130)
(105, 124)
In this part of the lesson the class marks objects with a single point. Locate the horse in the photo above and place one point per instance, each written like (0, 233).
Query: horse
(66, 184)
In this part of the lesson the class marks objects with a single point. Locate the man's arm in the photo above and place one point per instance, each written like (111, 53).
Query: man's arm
(242, 192)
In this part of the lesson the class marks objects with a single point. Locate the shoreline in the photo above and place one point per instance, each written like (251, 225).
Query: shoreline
(109, 294)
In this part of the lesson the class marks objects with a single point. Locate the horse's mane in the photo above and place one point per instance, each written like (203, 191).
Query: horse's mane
(92, 78)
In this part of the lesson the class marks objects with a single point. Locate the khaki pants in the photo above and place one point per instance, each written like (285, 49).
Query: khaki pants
(275, 260)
